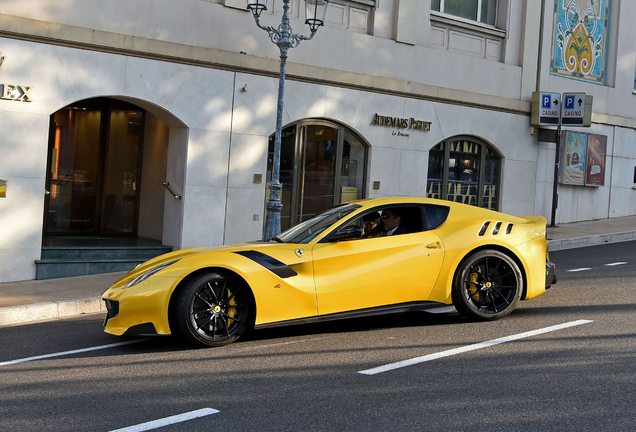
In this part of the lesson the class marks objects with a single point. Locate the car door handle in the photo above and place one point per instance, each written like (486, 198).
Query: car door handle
(435, 245)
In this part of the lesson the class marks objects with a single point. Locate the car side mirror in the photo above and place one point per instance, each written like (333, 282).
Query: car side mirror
(346, 233)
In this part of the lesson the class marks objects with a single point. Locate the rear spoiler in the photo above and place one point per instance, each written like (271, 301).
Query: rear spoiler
(534, 219)
(537, 225)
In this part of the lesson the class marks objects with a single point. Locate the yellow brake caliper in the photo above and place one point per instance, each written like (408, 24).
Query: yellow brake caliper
(472, 287)
(231, 310)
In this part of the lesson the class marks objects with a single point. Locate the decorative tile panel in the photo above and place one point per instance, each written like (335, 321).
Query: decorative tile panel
(579, 44)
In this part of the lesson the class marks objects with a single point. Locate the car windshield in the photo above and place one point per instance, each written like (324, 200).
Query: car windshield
(309, 229)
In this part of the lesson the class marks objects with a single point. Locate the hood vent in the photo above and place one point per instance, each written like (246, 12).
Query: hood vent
(483, 229)
(495, 231)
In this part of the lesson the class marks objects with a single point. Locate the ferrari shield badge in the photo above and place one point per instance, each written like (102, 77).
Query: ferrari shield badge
(300, 252)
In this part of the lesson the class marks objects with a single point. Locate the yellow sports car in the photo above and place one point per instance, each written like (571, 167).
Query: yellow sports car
(362, 258)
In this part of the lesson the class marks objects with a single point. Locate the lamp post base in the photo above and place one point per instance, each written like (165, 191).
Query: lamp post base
(272, 220)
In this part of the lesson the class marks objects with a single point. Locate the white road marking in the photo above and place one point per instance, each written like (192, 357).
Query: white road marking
(435, 356)
(580, 269)
(63, 353)
(615, 264)
(168, 420)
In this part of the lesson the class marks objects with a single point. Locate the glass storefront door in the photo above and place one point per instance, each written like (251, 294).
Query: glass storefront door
(322, 164)
(317, 171)
(93, 171)
(286, 173)
(352, 168)
(119, 214)
(73, 174)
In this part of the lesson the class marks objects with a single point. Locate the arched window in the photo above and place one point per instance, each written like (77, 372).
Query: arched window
(321, 164)
(463, 170)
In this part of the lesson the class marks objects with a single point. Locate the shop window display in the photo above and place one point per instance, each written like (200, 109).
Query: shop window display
(466, 171)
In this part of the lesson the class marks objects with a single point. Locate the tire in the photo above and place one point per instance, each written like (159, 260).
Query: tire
(213, 309)
(487, 285)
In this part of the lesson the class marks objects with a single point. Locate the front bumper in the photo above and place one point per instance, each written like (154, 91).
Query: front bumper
(550, 276)
(144, 303)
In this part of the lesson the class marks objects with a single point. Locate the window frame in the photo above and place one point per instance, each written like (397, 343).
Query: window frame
(478, 20)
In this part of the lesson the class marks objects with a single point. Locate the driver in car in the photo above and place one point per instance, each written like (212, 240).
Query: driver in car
(392, 221)
(372, 225)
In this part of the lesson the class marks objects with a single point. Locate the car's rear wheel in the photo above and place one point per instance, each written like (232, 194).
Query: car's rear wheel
(213, 309)
(487, 285)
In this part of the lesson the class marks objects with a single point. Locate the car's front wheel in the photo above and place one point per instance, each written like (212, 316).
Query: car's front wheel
(487, 285)
(213, 309)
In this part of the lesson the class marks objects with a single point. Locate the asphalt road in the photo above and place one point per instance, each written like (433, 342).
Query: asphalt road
(580, 376)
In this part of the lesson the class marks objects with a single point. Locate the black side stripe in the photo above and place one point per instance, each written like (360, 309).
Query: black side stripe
(272, 264)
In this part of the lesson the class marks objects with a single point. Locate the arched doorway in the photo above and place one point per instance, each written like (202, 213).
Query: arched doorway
(322, 164)
(464, 169)
(106, 208)
(94, 169)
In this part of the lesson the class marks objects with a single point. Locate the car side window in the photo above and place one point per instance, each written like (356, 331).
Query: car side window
(410, 219)
(363, 226)
(380, 222)
(435, 215)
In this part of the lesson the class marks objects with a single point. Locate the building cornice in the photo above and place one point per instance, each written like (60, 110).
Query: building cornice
(116, 43)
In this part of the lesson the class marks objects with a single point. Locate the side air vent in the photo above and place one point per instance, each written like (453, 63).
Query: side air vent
(509, 228)
(495, 231)
(483, 229)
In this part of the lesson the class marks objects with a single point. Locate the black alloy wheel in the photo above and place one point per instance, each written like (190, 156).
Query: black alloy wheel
(213, 309)
(487, 286)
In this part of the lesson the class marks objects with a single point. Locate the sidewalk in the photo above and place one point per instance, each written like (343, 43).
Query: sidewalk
(22, 302)
(588, 233)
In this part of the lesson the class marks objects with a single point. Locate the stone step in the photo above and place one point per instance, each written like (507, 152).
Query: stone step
(143, 253)
(87, 256)
(55, 268)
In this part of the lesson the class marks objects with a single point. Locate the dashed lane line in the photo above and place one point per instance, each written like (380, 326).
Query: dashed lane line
(180, 418)
(461, 350)
(64, 353)
(614, 264)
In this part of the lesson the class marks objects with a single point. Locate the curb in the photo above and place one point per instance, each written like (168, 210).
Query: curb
(58, 309)
(572, 243)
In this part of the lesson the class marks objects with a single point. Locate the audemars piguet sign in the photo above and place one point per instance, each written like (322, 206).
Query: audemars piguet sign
(14, 92)
(401, 123)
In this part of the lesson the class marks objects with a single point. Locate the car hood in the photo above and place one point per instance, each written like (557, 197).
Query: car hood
(287, 253)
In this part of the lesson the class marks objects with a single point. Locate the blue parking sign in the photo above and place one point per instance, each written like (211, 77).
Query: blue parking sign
(546, 109)
(546, 101)
(569, 101)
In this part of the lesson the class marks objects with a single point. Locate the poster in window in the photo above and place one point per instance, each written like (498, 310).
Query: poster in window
(573, 158)
(595, 170)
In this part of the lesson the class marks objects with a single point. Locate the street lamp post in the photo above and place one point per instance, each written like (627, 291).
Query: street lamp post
(284, 39)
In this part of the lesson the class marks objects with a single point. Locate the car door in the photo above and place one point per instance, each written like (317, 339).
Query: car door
(371, 272)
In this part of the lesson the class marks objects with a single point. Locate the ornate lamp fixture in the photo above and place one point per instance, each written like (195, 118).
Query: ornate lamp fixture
(284, 38)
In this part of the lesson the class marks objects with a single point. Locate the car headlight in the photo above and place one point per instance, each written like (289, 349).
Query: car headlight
(145, 275)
